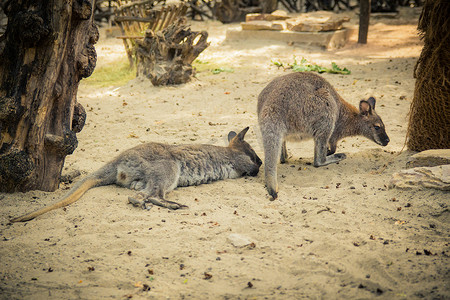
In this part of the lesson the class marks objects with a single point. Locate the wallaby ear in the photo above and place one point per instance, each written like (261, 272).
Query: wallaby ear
(231, 135)
(364, 108)
(372, 102)
(242, 133)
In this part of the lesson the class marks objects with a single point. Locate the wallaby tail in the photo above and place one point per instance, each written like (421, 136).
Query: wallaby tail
(70, 198)
(104, 176)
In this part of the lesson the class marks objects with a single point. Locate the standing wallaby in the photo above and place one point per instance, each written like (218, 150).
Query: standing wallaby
(155, 169)
(304, 105)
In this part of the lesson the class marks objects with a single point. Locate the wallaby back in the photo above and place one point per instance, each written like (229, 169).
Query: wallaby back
(305, 105)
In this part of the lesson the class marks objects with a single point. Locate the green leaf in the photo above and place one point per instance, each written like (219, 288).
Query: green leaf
(305, 66)
(220, 70)
(277, 63)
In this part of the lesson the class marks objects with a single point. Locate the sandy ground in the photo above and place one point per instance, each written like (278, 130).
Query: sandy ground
(336, 232)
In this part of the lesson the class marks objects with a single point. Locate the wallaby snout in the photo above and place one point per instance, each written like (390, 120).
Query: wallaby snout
(306, 105)
(382, 138)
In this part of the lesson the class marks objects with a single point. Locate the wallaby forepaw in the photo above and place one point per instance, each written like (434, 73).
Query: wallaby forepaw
(137, 185)
(147, 202)
(330, 159)
(139, 201)
(166, 203)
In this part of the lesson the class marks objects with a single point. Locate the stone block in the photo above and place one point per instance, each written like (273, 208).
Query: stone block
(317, 21)
(262, 25)
(328, 40)
(277, 15)
(429, 158)
(422, 177)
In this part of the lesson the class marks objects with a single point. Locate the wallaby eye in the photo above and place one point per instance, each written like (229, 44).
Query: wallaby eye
(376, 127)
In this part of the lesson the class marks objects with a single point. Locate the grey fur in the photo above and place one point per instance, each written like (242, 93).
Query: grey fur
(154, 169)
(304, 105)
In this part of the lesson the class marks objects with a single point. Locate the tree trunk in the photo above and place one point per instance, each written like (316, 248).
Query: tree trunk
(364, 18)
(46, 50)
(429, 114)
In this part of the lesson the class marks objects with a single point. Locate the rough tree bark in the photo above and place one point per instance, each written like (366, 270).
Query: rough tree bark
(46, 50)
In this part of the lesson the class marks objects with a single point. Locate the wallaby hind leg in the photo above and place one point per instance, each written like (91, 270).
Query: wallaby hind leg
(272, 142)
(332, 144)
(320, 153)
(162, 177)
(284, 155)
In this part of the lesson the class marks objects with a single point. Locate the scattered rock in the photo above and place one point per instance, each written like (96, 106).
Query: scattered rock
(422, 177)
(238, 240)
(429, 158)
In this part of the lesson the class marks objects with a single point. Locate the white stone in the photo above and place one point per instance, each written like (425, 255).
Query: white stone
(238, 240)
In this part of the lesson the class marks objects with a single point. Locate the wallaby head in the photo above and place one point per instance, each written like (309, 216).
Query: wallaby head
(372, 127)
(237, 142)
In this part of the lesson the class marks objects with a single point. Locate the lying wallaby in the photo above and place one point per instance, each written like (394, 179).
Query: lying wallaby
(155, 169)
(302, 105)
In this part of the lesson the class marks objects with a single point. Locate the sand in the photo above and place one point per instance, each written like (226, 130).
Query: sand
(336, 232)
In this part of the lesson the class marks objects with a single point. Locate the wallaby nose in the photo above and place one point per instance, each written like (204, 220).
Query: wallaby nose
(386, 141)
(254, 173)
(258, 161)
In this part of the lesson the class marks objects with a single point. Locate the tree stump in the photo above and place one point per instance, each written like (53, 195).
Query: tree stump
(166, 57)
(46, 50)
